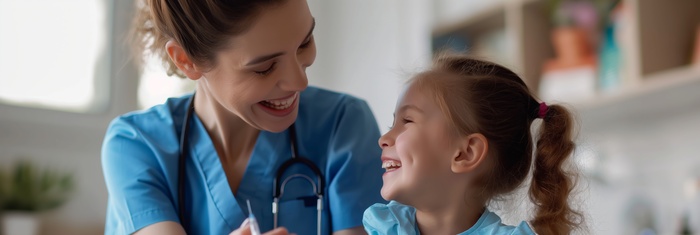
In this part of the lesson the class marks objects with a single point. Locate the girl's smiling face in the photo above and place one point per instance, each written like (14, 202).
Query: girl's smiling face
(418, 149)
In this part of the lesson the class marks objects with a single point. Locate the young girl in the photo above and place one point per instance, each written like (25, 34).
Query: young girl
(461, 137)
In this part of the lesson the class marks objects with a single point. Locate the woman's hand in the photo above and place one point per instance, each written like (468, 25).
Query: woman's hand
(245, 230)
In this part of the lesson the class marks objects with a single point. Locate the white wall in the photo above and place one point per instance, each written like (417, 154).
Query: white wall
(368, 48)
(642, 163)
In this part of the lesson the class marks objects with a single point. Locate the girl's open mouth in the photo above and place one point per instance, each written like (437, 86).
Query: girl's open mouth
(391, 165)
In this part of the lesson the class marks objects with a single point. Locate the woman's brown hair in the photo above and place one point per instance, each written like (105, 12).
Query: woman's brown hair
(483, 97)
(201, 27)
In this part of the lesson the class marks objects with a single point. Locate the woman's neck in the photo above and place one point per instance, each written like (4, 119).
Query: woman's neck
(232, 137)
(449, 218)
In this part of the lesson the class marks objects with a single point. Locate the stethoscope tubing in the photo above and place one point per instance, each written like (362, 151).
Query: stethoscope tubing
(278, 189)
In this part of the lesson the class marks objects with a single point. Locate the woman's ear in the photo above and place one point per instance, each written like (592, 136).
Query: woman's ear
(181, 60)
(472, 153)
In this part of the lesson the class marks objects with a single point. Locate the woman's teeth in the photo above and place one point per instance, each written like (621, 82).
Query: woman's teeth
(391, 165)
(279, 104)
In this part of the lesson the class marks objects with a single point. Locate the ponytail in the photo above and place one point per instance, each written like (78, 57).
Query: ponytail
(551, 183)
(480, 96)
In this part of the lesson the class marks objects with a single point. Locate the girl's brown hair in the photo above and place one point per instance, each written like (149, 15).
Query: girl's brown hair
(201, 27)
(482, 97)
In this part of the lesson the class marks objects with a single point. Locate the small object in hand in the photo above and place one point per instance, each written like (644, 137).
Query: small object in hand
(254, 229)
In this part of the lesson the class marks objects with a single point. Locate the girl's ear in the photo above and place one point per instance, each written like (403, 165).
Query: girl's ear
(181, 60)
(472, 152)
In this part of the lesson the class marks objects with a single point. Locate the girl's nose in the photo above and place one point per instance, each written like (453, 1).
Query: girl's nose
(386, 140)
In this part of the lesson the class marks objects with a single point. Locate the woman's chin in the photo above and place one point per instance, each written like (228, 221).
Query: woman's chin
(278, 126)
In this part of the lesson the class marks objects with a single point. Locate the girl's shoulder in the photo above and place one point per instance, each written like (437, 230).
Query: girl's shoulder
(391, 218)
(490, 223)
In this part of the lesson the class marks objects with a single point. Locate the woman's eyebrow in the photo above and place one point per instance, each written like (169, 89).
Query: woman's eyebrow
(264, 58)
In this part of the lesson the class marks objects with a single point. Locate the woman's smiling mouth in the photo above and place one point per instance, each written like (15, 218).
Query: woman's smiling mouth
(280, 104)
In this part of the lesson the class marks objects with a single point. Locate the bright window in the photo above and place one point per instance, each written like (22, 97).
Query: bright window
(49, 53)
(156, 86)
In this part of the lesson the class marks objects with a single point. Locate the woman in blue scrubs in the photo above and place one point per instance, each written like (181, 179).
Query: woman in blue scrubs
(249, 61)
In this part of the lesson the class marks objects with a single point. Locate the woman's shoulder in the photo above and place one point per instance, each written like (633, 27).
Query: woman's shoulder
(141, 140)
(322, 104)
(155, 126)
(321, 98)
(157, 117)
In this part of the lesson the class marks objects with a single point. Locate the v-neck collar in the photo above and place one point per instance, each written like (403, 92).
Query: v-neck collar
(263, 159)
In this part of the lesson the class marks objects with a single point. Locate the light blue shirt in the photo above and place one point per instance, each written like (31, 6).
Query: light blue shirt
(398, 219)
(335, 131)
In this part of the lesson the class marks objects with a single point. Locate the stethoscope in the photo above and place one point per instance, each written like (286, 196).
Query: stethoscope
(277, 188)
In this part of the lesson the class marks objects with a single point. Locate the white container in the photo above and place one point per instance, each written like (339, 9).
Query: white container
(19, 223)
(570, 85)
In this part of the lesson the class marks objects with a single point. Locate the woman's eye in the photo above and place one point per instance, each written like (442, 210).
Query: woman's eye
(306, 43)
(267, 71)
(405, 120)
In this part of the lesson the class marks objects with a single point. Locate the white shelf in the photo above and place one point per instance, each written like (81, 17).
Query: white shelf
(657, 43)
(656, 96)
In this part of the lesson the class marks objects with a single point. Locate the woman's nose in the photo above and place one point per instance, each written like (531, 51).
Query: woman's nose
(295, 79)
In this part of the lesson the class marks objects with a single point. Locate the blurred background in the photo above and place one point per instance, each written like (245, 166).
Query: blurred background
(629, 69)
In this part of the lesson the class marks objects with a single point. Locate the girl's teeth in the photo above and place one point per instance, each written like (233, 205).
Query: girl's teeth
(391, 164)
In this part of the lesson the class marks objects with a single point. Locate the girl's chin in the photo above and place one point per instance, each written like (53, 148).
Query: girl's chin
(386, 194)
(389, 194)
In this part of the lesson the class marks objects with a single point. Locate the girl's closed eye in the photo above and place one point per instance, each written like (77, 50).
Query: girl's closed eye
(403, 121)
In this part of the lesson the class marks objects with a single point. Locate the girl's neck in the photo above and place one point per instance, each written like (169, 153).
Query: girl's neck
(449, 219)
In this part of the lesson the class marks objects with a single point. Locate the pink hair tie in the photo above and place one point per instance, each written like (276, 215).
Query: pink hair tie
(543, 110)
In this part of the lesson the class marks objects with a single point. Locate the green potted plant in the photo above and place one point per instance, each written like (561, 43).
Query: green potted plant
(26, 191)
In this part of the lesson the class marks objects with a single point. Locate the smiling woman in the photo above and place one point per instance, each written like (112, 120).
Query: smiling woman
(184, 166)
(50, 58)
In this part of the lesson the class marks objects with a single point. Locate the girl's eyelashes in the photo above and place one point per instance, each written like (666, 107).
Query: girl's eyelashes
(268, 70)
(404, 121)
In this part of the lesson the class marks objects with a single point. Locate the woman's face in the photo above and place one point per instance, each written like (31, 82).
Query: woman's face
(260, 75)
(416, 152)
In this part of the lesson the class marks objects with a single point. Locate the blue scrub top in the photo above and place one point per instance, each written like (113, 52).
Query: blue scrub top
(395, 218)
(336, 131)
